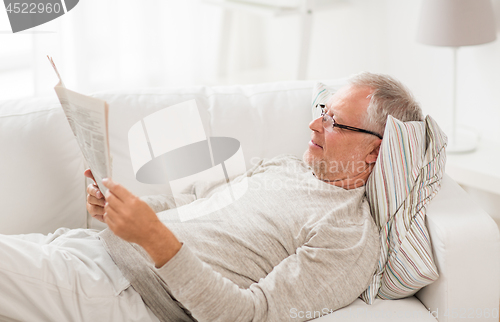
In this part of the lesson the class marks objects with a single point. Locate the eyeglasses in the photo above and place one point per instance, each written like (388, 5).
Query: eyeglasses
(329, 123)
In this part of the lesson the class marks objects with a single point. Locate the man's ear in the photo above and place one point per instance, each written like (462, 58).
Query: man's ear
(371, 157)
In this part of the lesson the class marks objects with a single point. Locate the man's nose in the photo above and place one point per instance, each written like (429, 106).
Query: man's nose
(316, 124)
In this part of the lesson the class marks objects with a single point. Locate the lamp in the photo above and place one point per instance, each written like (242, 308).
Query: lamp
(455, 23)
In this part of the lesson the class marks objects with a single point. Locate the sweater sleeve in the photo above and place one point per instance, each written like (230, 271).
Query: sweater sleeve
(325, 274)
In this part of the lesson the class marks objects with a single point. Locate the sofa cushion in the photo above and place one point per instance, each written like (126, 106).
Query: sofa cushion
(41, 167)
(406, 310)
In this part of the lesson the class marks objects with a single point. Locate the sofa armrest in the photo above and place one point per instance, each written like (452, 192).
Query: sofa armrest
(466, 245)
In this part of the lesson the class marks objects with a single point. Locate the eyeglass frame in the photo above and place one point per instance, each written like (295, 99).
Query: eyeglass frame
(342, 126)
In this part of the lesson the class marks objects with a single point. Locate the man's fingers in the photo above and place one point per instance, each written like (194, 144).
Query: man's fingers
(99, 217)
(93, 190)
(115, 203)
(98, 192)
(106, 220)
(108, 216)
(95, 210)
(95, 201)
(88, 174)
(117, 189)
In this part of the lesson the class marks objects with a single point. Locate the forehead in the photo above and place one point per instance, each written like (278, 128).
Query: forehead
(349, 103)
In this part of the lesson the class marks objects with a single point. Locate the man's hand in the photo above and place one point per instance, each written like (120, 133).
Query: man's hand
(133, 220)
(95, 198)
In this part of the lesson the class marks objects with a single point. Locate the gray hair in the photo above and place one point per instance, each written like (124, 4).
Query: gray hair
(390, 97)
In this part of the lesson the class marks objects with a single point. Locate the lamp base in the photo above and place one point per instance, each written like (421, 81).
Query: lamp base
(465, 141)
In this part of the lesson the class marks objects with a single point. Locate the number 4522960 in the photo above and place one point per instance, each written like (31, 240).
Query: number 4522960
(24, 7)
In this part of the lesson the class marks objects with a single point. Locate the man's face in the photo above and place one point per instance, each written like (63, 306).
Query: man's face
(341, 154)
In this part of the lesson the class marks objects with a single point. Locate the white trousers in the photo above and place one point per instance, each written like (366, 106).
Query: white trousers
(64, 276)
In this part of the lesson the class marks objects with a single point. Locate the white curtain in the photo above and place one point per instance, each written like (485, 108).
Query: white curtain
(124, 44)
(147, 43)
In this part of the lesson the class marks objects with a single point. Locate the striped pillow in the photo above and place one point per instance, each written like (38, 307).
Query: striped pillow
(406, 177)
(321, 95)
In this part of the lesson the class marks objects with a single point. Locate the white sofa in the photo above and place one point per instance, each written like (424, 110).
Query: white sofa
(42, 185)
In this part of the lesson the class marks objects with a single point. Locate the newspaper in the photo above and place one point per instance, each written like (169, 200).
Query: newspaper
(88, 118)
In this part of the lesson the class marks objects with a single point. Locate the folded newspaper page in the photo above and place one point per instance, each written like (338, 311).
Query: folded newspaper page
(88, 118)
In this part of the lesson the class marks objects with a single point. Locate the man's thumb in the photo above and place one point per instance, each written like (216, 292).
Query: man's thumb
(88, 174)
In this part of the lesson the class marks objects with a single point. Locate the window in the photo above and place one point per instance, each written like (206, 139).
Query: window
(16, 66)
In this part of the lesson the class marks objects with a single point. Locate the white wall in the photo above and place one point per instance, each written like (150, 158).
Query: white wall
(379, 36)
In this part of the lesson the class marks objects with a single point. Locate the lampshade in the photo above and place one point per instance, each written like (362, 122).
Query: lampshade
(456, 23)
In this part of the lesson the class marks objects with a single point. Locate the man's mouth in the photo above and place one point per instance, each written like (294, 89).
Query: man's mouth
(315, 144)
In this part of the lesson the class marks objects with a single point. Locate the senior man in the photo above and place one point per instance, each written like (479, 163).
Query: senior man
(307, 248)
